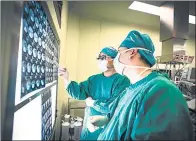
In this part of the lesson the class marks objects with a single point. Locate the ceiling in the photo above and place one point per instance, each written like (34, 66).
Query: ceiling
(118, 11)
(159, 3)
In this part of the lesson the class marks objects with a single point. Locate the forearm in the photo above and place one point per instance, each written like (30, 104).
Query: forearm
(75, 91)
(106, 106)
(101, 107)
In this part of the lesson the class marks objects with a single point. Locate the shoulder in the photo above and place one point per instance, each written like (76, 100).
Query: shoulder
(122, 77)
(95, 76)
(161, 81)
(162, 88)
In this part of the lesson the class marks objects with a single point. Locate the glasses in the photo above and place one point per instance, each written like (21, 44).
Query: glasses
(101, 57)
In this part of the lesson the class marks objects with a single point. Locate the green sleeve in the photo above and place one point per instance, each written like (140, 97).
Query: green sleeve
(105, 106)
(163, 115)
(79, 91)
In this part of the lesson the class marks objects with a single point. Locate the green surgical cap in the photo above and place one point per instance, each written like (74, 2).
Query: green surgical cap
(137, 40)
(110, 51)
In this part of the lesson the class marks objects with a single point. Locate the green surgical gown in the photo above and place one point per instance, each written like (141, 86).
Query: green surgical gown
(103, 90)
(151, 109)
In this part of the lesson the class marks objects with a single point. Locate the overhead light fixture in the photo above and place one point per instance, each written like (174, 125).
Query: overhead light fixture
(146, 8)
(191, 19)
(151, 9)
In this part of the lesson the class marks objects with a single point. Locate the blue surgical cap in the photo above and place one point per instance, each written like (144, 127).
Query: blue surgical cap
(110, 51)
(137, 40)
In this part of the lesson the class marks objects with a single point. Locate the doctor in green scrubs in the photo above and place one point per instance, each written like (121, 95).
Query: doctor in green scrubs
(152, 107)
(98, 90)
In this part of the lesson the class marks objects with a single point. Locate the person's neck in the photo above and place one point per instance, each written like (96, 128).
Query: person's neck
(109, 72)
(134, 75)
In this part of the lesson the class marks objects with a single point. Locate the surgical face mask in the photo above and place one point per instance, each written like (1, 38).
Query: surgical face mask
(103, 65)
(119, 67)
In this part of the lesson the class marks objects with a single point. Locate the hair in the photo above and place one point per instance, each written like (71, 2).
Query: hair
(144, 60)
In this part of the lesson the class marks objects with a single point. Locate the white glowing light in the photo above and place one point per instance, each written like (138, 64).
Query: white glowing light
(143, 7)
(151, 9)
(191, 19)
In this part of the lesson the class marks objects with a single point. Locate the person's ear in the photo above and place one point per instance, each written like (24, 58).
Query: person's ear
(110, 62)
(109, 59)
(132, 53)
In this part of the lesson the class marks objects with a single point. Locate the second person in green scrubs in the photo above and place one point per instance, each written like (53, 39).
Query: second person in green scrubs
(99, 90)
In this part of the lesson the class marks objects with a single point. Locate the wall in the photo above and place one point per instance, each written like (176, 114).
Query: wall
(73, 45)
(54, 17)
(87, 35)
(9, 35)
(5, 47)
